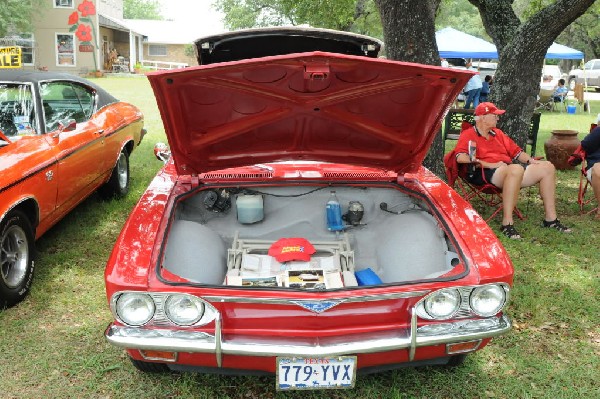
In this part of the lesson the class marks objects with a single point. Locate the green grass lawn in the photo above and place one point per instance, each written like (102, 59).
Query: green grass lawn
(52, 344)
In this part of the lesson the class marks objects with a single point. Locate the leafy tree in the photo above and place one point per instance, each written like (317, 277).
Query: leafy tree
(409, 35)
(584, 33)
(142, 9)
(522, 46)
(358, 16)
(17, 16)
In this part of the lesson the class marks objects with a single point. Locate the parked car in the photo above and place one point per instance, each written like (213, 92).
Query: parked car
(485, 68)
(553, 73)
(293, 230)
(589, 75)
(62, 138)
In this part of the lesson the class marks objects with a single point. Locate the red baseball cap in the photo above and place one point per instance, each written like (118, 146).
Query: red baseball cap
(488, 108)
(288, 249)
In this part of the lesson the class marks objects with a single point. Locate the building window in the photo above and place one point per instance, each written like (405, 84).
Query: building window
(27, 45)
(157, 50)
(63, 3)
(65, 43)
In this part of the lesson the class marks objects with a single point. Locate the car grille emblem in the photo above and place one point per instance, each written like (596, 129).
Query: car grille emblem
(317, 306)
(49, 175)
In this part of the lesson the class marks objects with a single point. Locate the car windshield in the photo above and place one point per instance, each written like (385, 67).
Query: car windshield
(17, 117)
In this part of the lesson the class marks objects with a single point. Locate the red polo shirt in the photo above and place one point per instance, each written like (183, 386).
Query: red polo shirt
(497, 147)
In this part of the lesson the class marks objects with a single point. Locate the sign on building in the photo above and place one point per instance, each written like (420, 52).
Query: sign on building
(10, 57)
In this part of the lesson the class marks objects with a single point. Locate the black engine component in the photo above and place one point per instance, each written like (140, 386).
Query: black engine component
(217, 201)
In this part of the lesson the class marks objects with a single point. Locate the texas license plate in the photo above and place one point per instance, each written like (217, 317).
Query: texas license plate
(316, 372)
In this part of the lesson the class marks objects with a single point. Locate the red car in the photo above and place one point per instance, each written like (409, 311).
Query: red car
(61, 138)
(294, 231)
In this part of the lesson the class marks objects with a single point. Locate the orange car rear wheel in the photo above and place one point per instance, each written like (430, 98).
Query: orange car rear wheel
(16, 258)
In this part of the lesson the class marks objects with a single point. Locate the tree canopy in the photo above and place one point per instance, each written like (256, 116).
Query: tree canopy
(17, 16)
(142, 9)
(359, 16)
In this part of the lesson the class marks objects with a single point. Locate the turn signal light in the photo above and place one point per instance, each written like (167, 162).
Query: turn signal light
(462, 347)
(159, 355)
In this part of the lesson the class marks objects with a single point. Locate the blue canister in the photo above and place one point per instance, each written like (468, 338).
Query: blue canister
(334, 214)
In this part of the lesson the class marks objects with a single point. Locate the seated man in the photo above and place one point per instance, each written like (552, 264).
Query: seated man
(494, 159)
(560, 92)
(591, 146)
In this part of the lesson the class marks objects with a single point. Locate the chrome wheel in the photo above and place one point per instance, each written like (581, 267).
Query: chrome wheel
(122, 171)
(14, 256)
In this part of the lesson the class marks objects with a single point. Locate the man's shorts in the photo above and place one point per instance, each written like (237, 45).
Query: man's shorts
(478, 178)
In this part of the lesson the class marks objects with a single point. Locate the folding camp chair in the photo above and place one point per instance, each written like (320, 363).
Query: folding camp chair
(545, 100)
(583, 200)
(487, 194)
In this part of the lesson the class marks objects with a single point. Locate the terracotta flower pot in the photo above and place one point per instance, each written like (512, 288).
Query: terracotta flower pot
(560, 146)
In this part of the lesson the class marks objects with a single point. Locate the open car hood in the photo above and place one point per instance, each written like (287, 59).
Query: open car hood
(314, 106)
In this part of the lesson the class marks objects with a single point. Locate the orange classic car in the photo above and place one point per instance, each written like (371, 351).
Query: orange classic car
(61, 138)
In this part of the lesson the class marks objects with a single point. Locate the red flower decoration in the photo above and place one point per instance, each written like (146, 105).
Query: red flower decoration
(84, 33)
(87, 8)
(73, 18)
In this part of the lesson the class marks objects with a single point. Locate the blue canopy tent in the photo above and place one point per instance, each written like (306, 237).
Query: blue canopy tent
(558, 51)
(453, 43)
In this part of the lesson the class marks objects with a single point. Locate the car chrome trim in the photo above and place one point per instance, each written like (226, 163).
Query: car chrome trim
(218, 340)
(413, 334)
(294, 301)
(199, 342)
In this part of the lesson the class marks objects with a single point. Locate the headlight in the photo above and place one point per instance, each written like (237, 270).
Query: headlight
(442, 304)
(184, 310)
(486, 301)
(135, 309)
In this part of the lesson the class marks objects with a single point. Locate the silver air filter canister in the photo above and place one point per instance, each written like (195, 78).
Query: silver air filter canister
(355, 213)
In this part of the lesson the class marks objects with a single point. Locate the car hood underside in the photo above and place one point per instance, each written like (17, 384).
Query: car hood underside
(311, 106)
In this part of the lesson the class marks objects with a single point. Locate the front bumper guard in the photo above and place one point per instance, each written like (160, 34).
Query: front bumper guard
(199, 342)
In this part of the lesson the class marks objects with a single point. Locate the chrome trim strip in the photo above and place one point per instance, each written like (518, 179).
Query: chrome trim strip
(291, 301)
(189, 341)
(218, 340)
(413, 335)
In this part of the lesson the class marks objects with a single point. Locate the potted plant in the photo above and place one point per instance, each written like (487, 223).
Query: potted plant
(137, 68)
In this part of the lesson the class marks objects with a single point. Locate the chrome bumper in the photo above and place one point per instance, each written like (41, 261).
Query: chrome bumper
(189, 341)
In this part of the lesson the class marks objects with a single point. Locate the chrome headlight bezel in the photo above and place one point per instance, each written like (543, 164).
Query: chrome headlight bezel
(194, 305)
(466, 308)
(128, 304)
(491, 293)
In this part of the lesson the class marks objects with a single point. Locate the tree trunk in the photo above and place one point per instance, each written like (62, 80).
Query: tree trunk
(409, 35)
(521, 50)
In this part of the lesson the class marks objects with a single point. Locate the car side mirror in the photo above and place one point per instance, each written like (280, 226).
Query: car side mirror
(162, 152)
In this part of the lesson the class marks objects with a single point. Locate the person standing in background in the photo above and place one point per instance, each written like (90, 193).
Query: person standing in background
(445, 63)
(473, 88)
(485, 88)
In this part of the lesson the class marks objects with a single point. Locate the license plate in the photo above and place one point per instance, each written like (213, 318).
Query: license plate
(316, 372)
